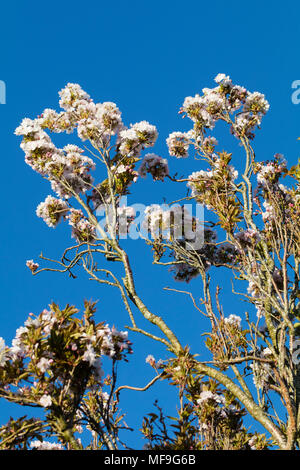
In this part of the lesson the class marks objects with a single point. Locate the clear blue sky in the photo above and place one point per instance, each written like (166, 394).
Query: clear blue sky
(146, 57)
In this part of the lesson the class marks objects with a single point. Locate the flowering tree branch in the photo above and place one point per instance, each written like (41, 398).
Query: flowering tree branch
(260, 241)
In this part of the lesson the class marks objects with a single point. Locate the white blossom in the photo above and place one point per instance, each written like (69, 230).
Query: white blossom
(32, 265)
(269, 215)
(45, 401)
(223, 79)
(44, 364)
(90, 355)
(52, 210)
(140, 135)
(248, 236)
(155, 165)
(208, 395)
(256, 103)
(46, 445)
(178, 144)
(82, 229)
(150, 359)
(71, 96)
(233, 320)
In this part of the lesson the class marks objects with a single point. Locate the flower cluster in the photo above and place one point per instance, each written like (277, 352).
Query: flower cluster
(222, 101)
(52, 210)
(96, 122)
(70, 172)
(252, 288)
(269, 172)
(174, 223)
(217, 103)
(216, 408)
(67, 169)
(209, 395)
(36, 144)
(72, 96)
(233, 320)
(225, 254)
(201, 109)
(125, 169)
(256, 103)
(178, 144)
(209, 144)
(248, 237)
(185, 272)
(255, 107)
(138, 136)
(82, 229)
(155, 165)
(256, 282)
(46, 445)
(32, 265)
(115, 343)
(100, 122)
(218, 178)
(269, 215)
(55, 359)
(150, 359)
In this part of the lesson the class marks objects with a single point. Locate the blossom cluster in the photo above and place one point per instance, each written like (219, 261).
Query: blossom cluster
(155, 165)
(281, 204)
(48, 348)
(248, 237)
(215, 187)
(138, 136)
(202, 182)
(46, 445)
(69, 171)
(209, 144)
(150, 359)
(178, 144)
(216, 402)
(167, 223)
(82, 229)
(233, 320)
(269, 172)
(52, 210)
(219, 103)
(32, 265)
(269, 214)
(94, 121)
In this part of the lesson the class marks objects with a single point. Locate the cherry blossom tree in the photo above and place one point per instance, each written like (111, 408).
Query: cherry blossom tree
(251, 233)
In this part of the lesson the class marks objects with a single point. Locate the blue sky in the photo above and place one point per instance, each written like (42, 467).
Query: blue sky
(146, 57)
